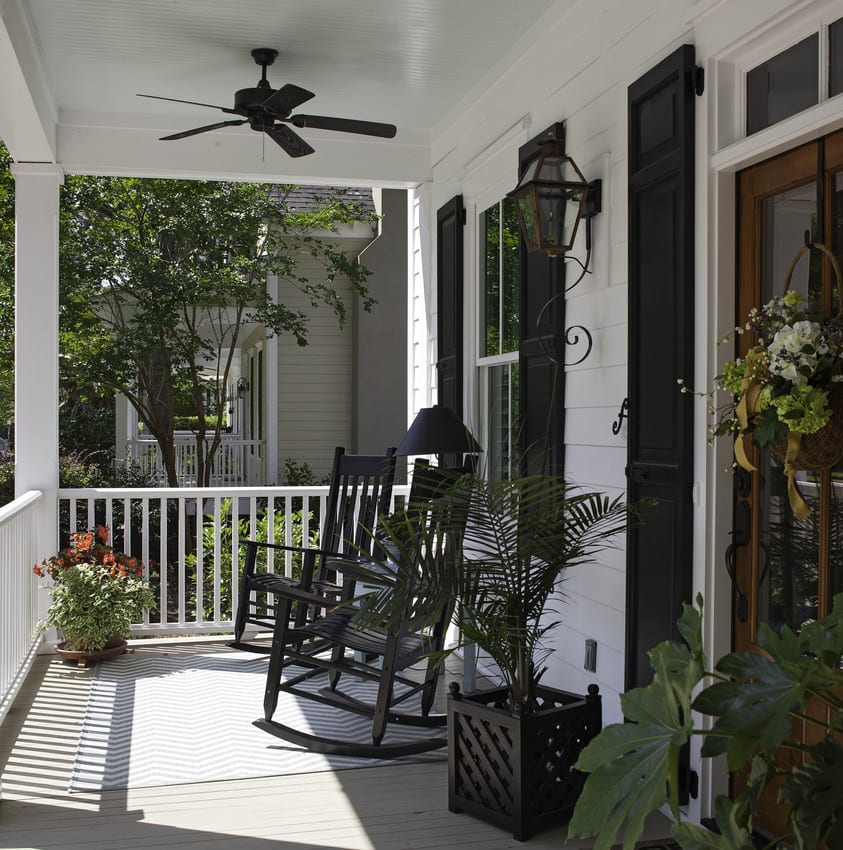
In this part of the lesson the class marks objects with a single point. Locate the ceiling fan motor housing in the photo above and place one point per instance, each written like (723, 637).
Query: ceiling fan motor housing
(247, 101)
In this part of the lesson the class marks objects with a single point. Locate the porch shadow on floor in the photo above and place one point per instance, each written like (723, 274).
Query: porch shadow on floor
(384, 808)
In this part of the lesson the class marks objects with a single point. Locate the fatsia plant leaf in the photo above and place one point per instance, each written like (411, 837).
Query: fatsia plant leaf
(633, 767)
(732, 821)
(824, 638)
(753, 710)
(815, 791)
(628, 782)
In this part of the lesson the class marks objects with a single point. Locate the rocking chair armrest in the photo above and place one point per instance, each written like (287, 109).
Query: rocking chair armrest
(304, 550)
(295, 593)
(361, 569)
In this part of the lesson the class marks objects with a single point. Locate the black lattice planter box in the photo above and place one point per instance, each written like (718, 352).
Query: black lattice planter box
(515, 771)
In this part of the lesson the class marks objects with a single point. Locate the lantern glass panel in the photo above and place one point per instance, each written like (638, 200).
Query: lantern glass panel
(527, 215)
(552, 209)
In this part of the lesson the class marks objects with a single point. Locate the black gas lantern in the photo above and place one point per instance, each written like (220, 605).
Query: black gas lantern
(552, 196)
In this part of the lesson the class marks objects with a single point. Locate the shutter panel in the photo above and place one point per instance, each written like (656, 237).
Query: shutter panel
(450, 220)
(541, 420)
(661, 350)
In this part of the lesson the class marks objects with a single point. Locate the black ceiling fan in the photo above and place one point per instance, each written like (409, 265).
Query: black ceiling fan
(268, 110)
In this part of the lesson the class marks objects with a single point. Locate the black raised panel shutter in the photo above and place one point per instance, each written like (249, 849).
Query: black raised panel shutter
(450, 220)
(541, 414)
(661, 350)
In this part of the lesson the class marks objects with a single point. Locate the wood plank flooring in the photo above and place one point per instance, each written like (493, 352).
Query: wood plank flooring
(385, 808)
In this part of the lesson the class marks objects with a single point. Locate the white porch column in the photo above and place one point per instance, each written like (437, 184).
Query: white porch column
(37, 341)
(125, 427)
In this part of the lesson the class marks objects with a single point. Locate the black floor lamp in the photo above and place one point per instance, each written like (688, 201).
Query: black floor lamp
(439, 431)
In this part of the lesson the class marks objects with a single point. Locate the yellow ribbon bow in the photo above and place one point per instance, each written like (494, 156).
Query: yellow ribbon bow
(746, 409)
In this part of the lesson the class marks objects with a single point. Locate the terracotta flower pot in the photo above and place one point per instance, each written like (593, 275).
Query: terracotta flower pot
(116, 646)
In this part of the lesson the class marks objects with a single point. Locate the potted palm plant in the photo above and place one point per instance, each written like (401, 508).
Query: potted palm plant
(511, 747)
(95, 595)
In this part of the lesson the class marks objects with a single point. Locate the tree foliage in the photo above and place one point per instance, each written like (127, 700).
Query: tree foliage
(158, 278)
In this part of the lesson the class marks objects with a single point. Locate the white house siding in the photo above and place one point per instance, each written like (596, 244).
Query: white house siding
(576, 65)
(315, 381)
(577, 69)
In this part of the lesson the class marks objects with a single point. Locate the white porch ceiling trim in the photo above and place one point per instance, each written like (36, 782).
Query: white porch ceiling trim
(27, 111)
(239, 154)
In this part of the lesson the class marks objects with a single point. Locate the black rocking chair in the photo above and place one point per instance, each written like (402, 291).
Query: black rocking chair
(373, 654)
(360, 491)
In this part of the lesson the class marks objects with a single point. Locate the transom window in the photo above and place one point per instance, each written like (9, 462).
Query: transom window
(790, 81)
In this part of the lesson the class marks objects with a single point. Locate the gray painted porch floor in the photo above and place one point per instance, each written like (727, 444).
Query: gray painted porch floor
(386, 808)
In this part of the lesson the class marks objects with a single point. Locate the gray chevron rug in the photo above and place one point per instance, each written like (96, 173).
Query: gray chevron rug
(164, 720)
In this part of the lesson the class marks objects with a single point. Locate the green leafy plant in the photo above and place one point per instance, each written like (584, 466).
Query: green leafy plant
(96, 593)
(301, 474)
(505, 568)
(224, 563)
(753, 700)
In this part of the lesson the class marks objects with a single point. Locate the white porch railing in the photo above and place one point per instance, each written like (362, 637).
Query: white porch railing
(237, 462)
(18, 595)
(190, 544)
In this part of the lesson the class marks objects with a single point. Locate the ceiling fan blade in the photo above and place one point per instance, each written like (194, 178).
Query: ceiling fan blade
(286, 99)
(292, 142)
(191, 102)
(346, 125)
(184, 134)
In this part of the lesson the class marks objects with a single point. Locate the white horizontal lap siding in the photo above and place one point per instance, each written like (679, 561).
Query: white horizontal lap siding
(315, 381)
(579, 63)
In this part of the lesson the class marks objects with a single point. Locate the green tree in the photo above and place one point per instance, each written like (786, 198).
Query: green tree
(158, 278)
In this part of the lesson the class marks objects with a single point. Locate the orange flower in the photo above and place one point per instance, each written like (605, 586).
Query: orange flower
(37, 570)
(102, 533)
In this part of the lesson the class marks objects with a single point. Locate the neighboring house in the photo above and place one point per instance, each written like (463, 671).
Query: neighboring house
(715, 126)
(346, 387)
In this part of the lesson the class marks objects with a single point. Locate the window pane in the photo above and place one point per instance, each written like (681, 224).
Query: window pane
(511, 276)
(835, 50)
(490, 283)
(784, 85)
(502, 413)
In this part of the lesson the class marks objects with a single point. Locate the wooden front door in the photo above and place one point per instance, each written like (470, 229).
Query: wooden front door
(786, 570)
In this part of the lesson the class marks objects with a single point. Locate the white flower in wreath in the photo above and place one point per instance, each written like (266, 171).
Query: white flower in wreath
(794, 351)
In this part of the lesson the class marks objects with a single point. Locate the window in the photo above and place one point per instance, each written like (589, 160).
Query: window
(783, 85)
(499, 335)
(790, 81)
(500, 238)
(835, 63)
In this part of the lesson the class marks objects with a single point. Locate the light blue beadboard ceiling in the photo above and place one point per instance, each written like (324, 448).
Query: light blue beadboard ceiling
(406, 62)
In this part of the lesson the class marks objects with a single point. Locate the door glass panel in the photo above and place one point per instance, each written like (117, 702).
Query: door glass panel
(788, 550)
(835, 520)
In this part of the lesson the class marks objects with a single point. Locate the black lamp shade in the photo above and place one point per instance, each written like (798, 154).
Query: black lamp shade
(437, 430)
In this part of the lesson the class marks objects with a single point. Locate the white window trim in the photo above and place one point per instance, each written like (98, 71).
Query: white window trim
(730, 67)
